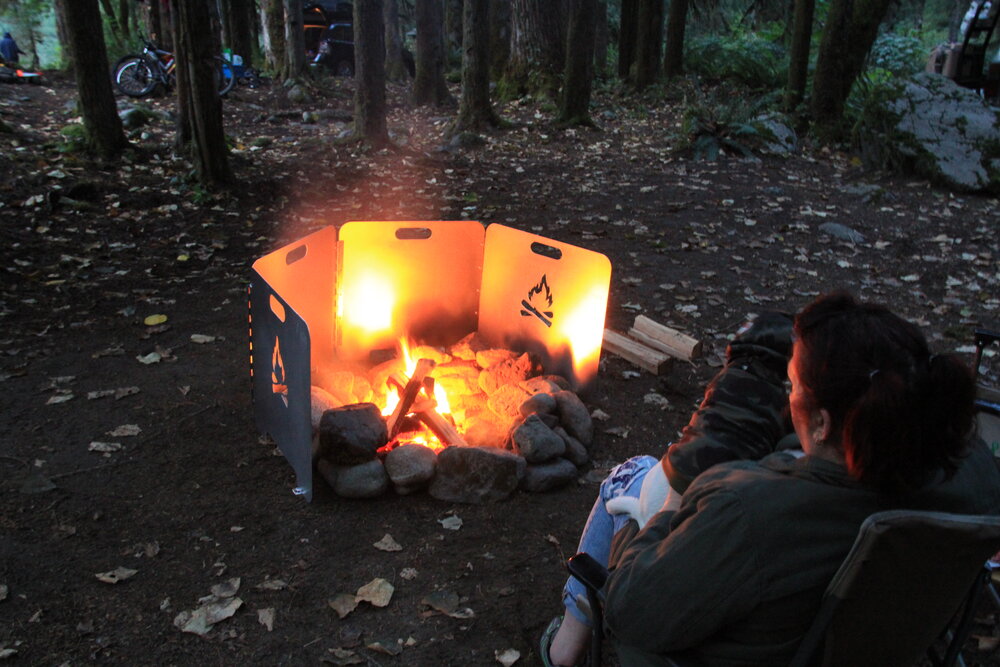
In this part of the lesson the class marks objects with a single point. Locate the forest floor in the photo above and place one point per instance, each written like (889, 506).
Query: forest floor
(187, 495)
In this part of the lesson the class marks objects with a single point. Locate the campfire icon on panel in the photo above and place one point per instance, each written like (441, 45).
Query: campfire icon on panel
(542, 291)
(278, 385)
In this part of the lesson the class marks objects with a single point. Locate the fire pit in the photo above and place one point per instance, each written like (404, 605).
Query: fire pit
(378, 342)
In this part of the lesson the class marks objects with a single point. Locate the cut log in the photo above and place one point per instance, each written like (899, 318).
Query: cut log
(442, 428)
(409, 395)
(663, 338)
(644, 357)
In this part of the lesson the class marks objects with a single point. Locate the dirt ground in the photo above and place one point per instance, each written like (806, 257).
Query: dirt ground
(190, 496)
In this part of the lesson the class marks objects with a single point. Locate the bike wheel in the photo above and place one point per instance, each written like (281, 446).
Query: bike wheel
(133, 76)
(225, 78)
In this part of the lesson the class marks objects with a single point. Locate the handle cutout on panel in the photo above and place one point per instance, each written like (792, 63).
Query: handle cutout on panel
(546, 250)
(295, 254)
(413, 233)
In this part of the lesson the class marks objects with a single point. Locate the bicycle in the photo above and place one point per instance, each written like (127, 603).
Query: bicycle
(138, 75)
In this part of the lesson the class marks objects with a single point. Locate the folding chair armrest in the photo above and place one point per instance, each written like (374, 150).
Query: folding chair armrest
(986, 337)
(588, 571)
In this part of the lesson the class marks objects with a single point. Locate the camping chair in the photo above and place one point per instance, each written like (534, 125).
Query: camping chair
(987, 398)
(911, 578)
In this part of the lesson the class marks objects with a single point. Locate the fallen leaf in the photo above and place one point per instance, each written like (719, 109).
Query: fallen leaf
(226, 589)
(272, 585)
(386, 646)
(343, 656)
(116, 575)
(104, 447)
(153, 320)
(507, 657)
(7, 653)
(151, 358)
(388, 544)
(202, 339)
(378, 591)
(445, 602)
(343, 604)
(59, 398)
(408, 573)
(3, 592)
(125, 430)
(266, 618)
(201, 620)
(450, 522)
(552, 539)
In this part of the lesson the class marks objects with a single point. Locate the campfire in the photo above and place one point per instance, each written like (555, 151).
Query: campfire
(436, 355)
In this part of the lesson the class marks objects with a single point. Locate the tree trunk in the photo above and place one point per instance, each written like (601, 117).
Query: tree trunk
(166, 36)
(116, 27)
(97, 99)
(673, 59)
(452, 28)
(626, 37)
(62, 30)
(369, 73)
(195, 55)
(649, 40)
(798, 56)
(475, 110)
(273, 21)
(125, 17)
(237, 21)
(537, 48)
(579, 71)
(429, 86)
(395, 69)
(601, 40)
(295, 40)
(851, 29)
(499, 22)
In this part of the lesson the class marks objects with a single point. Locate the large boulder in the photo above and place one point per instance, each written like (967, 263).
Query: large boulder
(937, 129)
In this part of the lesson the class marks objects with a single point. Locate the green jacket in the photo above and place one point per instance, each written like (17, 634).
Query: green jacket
(736, 575)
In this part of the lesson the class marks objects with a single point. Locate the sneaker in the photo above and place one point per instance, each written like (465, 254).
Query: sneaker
(546, 641)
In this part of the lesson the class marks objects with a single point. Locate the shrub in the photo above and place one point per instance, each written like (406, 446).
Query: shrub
(899, 54)
(723, 119)
(745, 58)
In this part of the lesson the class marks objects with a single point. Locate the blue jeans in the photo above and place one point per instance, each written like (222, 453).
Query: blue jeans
(624, 480)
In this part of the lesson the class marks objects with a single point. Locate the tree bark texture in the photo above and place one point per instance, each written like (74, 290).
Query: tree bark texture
(273, 22)
(499, 22)
(195, 55)
(97, 99)
(574, 108)
(452, 27)
(475, 110)
(395, 69)
(295, 40)
(601, 39)
(626, 37)
(429, 85)
(851, 29)
(112, 17)
(673, 58)
(537, 48)
(238, 18)
(62, 30)
(369, 73)
(798, 56)
(648, 42)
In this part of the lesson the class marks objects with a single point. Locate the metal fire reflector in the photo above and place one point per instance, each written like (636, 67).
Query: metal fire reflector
(337, 299)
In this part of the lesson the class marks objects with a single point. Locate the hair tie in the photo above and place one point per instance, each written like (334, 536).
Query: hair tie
(872, 374)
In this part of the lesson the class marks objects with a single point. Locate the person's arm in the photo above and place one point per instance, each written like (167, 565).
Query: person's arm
(685, 575)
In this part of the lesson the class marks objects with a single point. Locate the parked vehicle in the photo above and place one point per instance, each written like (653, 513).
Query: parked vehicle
(139, 75)
(12, 73)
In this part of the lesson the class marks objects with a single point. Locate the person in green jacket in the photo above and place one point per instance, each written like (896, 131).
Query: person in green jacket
(720, 552)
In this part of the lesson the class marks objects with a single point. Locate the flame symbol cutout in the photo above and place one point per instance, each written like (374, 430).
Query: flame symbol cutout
(278, 385)
(527, 309)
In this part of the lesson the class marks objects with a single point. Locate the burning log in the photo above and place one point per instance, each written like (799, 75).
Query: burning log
(441, 427)
(409, 394)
